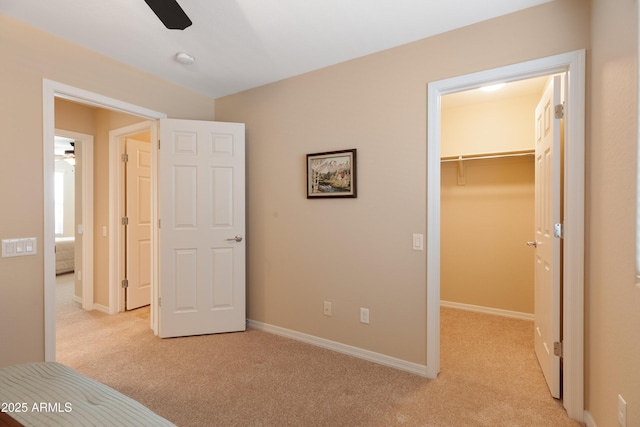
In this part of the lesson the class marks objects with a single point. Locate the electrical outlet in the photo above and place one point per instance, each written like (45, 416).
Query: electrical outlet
(364, 315)
(622, 412)
(327, 308)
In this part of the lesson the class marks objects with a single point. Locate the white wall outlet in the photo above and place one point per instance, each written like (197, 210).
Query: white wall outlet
(327, 308)
(622, 411)
(364, 315)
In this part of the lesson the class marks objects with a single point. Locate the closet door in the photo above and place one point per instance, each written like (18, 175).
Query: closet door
(548, 243)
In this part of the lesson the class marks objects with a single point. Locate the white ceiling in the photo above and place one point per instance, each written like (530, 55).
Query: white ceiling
(241, 44)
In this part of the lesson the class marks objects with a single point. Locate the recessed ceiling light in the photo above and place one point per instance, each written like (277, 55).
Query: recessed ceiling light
(492, 88)
(184, 58)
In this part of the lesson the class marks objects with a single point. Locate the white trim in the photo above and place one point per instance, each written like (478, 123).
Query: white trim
(102, 308)
(370, 356)
(116, 210)
(588, 420)
(637, 279)
(573, 318)
(87, 214)
(51, 90)
(488, 310)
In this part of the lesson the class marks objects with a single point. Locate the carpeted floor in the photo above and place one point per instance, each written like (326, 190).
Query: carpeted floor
(489, 375)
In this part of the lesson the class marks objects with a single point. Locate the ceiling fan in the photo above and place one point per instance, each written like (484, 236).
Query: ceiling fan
(170, 13)
(65, 150)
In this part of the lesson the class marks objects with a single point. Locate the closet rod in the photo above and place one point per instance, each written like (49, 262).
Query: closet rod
(487, 156)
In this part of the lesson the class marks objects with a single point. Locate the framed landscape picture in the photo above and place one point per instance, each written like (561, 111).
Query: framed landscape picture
(331, 174)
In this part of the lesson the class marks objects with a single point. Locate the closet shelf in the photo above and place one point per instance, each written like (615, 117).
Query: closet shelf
(501, 155)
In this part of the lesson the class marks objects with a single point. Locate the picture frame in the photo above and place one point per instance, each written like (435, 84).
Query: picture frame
(332, 174)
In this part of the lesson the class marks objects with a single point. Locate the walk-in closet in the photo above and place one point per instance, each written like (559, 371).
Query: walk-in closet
(487, 199)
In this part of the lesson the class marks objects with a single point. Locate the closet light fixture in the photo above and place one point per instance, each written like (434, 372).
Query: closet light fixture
(184, 58)
(492, 88)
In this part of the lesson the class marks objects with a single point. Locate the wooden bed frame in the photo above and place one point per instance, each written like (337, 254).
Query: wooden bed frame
(7, 421)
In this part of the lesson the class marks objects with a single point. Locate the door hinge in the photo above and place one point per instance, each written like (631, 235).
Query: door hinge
(125, 283)
(125, 220)
(159, 223)
(559, 111)
(557, 349)
(160, 302)
(158, 144)
(125, 157)
(558, 230)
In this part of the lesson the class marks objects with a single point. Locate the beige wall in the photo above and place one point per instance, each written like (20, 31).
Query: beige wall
(357, 253)
(613, 302)
(35, 55)
(488, 127)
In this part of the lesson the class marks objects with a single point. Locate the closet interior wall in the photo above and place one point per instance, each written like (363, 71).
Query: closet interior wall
(487, 206)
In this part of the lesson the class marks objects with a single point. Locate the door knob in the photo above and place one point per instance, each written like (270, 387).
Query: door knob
(534, 244)
(238, 238)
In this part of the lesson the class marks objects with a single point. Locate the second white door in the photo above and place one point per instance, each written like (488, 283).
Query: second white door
(138, 228)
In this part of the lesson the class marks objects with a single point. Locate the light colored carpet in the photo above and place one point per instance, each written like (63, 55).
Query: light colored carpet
(489, 375)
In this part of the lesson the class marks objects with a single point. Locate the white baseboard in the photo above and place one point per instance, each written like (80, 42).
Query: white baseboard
(588, 420)
(488, 310)
(102, 308)
(360, 353)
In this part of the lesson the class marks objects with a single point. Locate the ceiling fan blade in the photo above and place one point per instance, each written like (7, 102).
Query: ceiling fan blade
(170, 13)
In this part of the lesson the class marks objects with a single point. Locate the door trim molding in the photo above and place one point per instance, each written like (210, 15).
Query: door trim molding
(50, 90)
(573, 276)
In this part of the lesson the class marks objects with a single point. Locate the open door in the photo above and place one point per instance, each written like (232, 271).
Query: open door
(548, 233)
(138, 228)
(202, 228)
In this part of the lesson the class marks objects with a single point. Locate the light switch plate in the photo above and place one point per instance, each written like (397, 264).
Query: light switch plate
(19, 247)
(418, 242)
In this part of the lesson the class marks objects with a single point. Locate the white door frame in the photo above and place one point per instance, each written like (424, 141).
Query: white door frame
(51, 90)
(573, 275)
(87, 213)
(116, 209)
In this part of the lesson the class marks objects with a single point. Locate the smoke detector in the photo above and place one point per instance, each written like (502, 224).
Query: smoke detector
(184, 58)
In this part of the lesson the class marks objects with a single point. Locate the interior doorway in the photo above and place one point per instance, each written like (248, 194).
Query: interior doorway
(51, 91)
(487, 198)
(572, 63)
(488, 205)
(74, 243)
(74, 236)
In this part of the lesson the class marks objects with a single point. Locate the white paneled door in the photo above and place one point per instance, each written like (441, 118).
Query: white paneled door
(548, 211)
(202, 228)
(138, 229)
